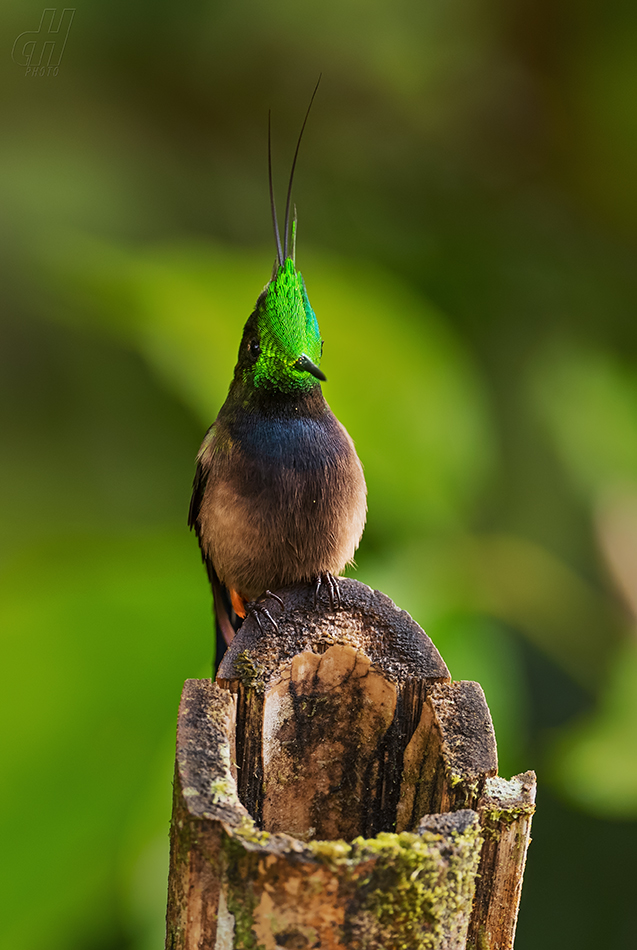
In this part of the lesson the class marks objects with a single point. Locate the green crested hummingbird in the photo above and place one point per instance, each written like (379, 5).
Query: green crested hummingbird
(279, 495)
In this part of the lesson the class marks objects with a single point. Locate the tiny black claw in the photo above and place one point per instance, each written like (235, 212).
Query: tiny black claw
(276, 597)
(257, 609)
(266, 613)
(253, 610)
(333, 591)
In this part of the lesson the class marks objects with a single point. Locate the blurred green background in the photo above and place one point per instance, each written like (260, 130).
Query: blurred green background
(467, 221)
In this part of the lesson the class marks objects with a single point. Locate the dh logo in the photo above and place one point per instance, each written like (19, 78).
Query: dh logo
(41, 50)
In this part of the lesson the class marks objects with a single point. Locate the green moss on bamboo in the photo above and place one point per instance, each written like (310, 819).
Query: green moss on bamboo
(411, 884)
(223, 790)
(182, 834)
(483, 941)
(507, 815)
(251, 674)
(414, 884)
(402, 888)
(241, 869)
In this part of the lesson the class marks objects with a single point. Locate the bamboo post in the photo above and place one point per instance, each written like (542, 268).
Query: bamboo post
(333, 788)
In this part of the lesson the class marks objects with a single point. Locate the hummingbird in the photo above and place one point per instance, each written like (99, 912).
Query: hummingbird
(279, 495)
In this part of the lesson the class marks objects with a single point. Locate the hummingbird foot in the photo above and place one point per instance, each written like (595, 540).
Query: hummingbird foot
(257, 609)
(333, 591)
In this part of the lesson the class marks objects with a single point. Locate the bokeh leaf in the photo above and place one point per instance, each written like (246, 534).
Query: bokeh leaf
(588, 401)
(593, 761)
(101, 633)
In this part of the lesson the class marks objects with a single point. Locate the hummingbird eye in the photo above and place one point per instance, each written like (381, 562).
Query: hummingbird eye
(254, 349)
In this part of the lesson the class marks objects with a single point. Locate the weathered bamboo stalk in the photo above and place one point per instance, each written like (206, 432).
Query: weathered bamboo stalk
(334, 788)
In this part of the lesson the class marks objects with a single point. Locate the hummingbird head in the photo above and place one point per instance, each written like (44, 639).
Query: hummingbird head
(281, 345)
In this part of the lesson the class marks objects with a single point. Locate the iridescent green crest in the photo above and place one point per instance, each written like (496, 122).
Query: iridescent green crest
(288, 332)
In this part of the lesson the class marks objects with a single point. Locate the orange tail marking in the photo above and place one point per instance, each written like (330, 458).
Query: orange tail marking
(238, 603)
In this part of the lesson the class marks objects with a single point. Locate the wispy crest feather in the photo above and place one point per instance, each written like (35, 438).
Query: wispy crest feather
(282, 251)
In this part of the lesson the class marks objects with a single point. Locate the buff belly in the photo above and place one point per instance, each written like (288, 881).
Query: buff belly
(266, 523)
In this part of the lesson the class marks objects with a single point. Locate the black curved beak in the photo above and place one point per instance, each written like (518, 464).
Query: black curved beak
(306, 364)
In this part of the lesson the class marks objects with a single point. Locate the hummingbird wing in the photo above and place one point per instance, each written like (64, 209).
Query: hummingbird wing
(226, 620)
(198, 489)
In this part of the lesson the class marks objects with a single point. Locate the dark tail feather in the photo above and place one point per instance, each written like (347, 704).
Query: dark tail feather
(226, 620)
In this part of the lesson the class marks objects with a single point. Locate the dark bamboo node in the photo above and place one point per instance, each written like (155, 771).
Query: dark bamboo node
(334, 788)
